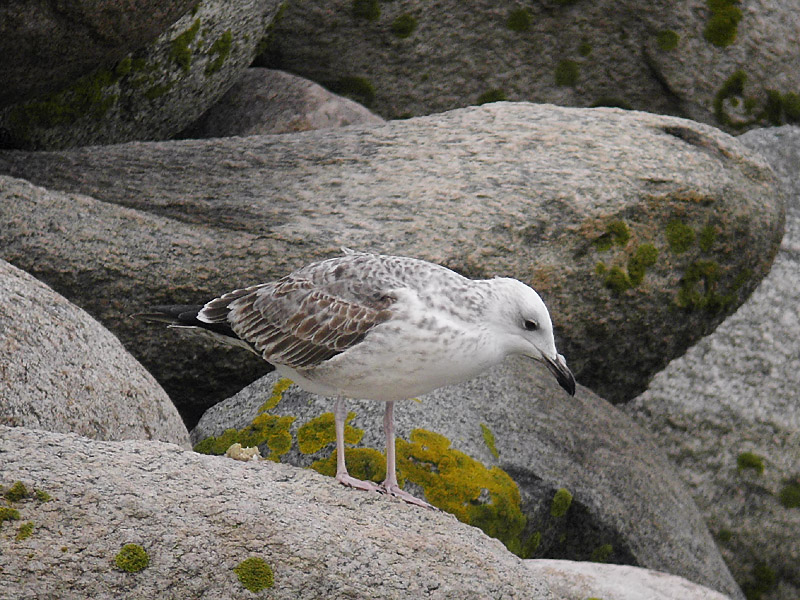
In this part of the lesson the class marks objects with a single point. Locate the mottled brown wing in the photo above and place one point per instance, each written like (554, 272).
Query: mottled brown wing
(295, 323)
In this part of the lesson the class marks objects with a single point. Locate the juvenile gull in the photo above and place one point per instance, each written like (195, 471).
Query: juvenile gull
(382, 328)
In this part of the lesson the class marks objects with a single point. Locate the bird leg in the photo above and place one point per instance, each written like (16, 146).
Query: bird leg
(339, 417)
(390, 485)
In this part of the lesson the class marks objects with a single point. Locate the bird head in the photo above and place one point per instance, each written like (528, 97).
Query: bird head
(527, 328)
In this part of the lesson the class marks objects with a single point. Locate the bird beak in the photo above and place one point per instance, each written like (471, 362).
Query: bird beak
(560, 370)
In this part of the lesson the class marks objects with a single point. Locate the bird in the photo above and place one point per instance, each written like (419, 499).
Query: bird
(378, 327)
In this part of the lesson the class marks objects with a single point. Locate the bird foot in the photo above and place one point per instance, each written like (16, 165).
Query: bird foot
(394, 490)
(367, 486)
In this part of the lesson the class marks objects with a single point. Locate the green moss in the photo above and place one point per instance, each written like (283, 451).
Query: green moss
(791, 107)
(403, 26)
(531, 545)
(123, 67)
(645, 256)
(562, 500)
(255, 574)
(455, 482)
(567, 73)
(750, 460)
(157, 91)
(679, 236)
(519, 20)
(490, 96)
(132, 558)
(763, 580)
(357, 88)
(600, 268)
(24, 532)
(601, 553)
(724, 536)
(220, 49)
(488, 438)
(42, 496)
(667, 40)
(8, 514)
(698, 286)
(180, 51)
(617, 280)
(732, 87)
(585, 48)
(16, 492)
(722, 26)
(321, 431)
(789, 495)
(617, 232)
(708, 235)
(369, 10)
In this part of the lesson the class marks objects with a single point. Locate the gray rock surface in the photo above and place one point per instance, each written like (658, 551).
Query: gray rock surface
(199, 517)
(571, 580)
(265, 101)
(152, 93)
(60, 370)
(641, 232)
(729, 64)
(495, 451)
(736, 392)
(45, 45)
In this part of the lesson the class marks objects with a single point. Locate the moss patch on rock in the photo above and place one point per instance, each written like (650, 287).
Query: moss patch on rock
(8, 514)
(722, 27)
(180, 51)
(519, 20)
(16, 492)
(356, 88)
(368, 10)
(220, 50)
(488, 438)
(254, 574)
(751, 461)
(562, 500)
(132, 558)
(403, 26)
(567, 73)
(667, 40)
(25, 531)
(495, 95)
(789, 496)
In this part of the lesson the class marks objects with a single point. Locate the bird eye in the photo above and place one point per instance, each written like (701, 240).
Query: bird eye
(530, 325)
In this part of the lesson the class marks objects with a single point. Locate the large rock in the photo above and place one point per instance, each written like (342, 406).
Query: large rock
(728, 415)
(725, 63)
(510, 452)
(264, 101)
(641, 232)
(204, 525)
(152, 93)
(45, 45)
(60, 370)
(581, 580)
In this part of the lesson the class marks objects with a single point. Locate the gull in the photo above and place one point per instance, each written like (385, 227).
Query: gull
(378, 327)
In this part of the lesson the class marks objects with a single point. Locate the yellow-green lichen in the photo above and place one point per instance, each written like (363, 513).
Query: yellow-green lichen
(16, 492)
(320, 431)
(180, 49)
(132, 558)
(667, 40)
(750, 460)
(721, 28)
(488, 438)
(403, 26)
(567, 73)
(280, 386)
(24, 532)
(789, 496)
(220, 49)
(562, 500)
(601, 553)
(495, 95)
(519, 20)
(643, 257)
(455, 482)
(531, 545)
(254, 574)
(8, 514)
(42, 496)
(369, 10)
(362, 463)
(679, 236)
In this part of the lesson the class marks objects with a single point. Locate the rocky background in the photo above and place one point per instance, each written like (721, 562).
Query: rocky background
(637, 165)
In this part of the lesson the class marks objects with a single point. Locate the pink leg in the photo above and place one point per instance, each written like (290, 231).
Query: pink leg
(339, 417)
(390, 485)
